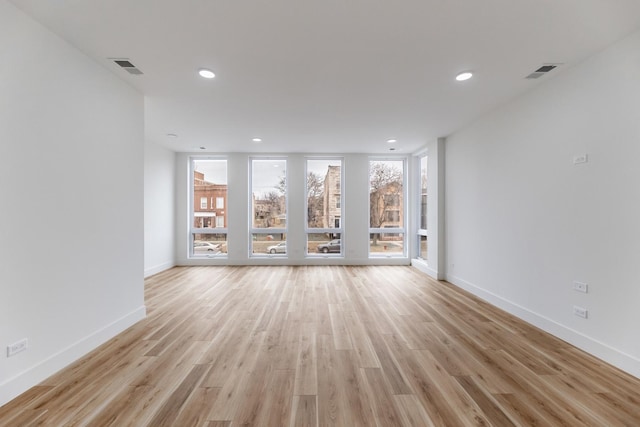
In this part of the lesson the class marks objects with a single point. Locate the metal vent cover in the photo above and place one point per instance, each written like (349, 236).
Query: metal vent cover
(545, 68)
(127, 65)
(124, 63)
(541, 71)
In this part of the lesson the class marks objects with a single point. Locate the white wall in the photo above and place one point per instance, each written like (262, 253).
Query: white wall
(523, 222)
(71, 188)
(159, 208)
(355, 214)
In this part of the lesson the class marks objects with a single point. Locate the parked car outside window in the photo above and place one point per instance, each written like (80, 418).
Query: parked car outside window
(333, 246)
(280, 248)
(200, 246)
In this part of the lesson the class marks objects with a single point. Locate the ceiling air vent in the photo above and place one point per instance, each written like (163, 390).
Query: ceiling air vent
(126, 65)
(542, 71)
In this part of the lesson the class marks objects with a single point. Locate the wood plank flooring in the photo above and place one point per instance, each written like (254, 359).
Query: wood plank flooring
(327, 346)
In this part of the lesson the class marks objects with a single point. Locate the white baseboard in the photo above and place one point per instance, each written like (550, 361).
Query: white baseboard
(158, 268)
(18, 384)
(592, 346)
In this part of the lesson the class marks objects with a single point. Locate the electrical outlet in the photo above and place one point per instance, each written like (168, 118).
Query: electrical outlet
(580, 311)
(580, 287)
(17, 347)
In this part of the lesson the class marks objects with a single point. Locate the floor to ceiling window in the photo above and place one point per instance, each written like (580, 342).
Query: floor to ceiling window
(208, 207)
(422, 214)
(323, 206)
(386, 208)
(268, 207)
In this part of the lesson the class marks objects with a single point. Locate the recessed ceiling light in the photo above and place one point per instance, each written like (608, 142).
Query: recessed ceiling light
(257, 140)
(464, 76)
(391, 141)
(207, 74)
(172, 135)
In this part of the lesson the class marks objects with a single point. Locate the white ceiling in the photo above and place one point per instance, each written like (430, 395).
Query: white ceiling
(329, 75)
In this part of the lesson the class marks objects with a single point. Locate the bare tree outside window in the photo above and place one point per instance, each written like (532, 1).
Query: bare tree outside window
(386, 209)
(268, 221)
(268, 191)
(315, 199)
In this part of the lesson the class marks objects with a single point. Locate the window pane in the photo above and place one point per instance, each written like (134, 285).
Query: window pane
(423, 193)
(324, 243)
(423, 247)
(386, 204)
(269, 244)
(209, 244)
(269, 191)
(391, 244)
(209, 183)
(324, 197)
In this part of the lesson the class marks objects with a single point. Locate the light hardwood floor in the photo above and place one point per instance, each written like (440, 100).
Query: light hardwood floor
(343, 346)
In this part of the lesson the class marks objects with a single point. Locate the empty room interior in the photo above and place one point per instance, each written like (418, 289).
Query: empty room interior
(416, 213)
